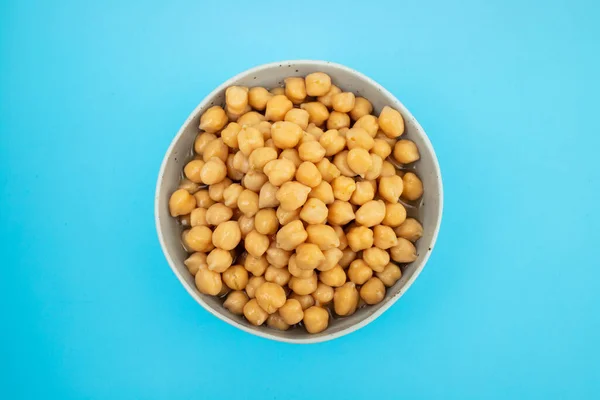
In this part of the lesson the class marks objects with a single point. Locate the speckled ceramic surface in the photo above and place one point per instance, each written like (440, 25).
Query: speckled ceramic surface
(270, 75)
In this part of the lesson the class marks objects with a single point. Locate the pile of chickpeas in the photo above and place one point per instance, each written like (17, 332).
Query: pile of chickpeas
(293, 207)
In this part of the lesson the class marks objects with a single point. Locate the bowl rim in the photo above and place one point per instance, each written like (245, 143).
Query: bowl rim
(254, 331)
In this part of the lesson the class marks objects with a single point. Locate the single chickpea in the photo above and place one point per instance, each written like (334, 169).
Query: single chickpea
(286, 135)
(203, 199)
(314, 211)
(381, 148)
(276, 91)
(291, 155)
(251, 118)
(410, 229)
(338, 120)
(314, 130)
(395, 214)
(296, 271)
(256, 265)
(311, 151)
(193, 169)
(359, 272)
(363, 193)
(213, 119)
(332, 257)
(359, 138)
(339, 231)
(248, 203)
(235, 302)
(316, 319)
(368, 123)
(328, 170)
(292, 195)
(254, 313)
(347, 257)
(390, 274)
(285, 217)
(371, 213)
(298, 116)
(341, 162)
(216, 148)
(308, 174)
(235, 277)
(384, 237)
(323, 295)
(340, 213)
(232, 172)
(208, 282)
(373, 291)
(236, 98)
(323, 192)
(280, 276)
(265, 221)
(216, 191)
(317, 84)
(404, 251)
(253, 283)
(195, 262)
(279, 171)
(181, 202)
(390, 188)
(277, 107)
(317, 112)
(218, 213)
(227, 235)
(188, 185)
(334, 277)
(256, 244)
(413, 187)
(292, 311)
(231, 194)
(376, 258)
(303, 286)
(267, 197)
(270, 297)
(345, 299)
(326, 99)
(332, 142)
(254, 180)
(323, 236)
(361, 108)
(375, 170)
(277, 257)
(246, 225)
(306, 301)
(199, 239)
(308, 256)
(391, 122)
(264, 127)
(387, 169)
(258, 98)
(343, 102)
(359, 161)
(406, 151)
(360, 238)
(234, 116)
(214, 171)
(250, 139)
(291, 235)
(260, 157)
(343, 188)
(275, 321)
(240, 162)
(295, 89)
(202, 140)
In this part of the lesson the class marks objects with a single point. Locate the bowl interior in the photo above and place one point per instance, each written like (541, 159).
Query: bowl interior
(269, 76)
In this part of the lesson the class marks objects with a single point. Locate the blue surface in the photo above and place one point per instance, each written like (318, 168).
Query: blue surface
(91, 96)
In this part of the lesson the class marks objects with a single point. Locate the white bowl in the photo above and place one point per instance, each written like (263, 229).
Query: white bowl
(271, 75)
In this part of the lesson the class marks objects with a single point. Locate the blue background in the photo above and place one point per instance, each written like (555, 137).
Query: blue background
(91, 94)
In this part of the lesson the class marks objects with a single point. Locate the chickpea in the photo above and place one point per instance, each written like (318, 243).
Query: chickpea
(216, 191)
(306, 301)
(276, 91)
(292, 195)
(280, 276)
(360, 238)
(253, 284)
(275, 321)
(234, 116)
(317, 84)
(265, 221)
(198, 239)
(235, 302)
(277, 107)
(291, 155)
(279, 171)
(374, 170)
(286, 135)
(240, 162)
(254, 180)
(193, 169)
(316, 319)
(373, 291)
(202, 140)
(332, 142)
(338, 120)
(314, 211)
(295, 89)
(343, 102)
(235, 277)
(323, 192)
(359, 138)
(188, 185)
(332, 256)
(361, 108)
(298, 116)
(359, 161)
(341, 236)
(227, 235)
(413, 187)
(334, 277)
(395, 214)
(308, 256)
(258, 98)
(218, 213)
(246, 225)
(308, 174)
(250, 139)
(256, 244)
(314, 130)
(248, 203)
(213, 119)
(404, 251)
(236, 98)
(390, 274)
(359, 272)
(260, 157)
(347, 257)
(341, 162)
(232, 172)
(254, 313)
(231, 195)
(219, 260)
(343, 131)
(214, 171)
(387, 169)
(317, 112)
(376, 258)
(326, 99)
(203, 199)
(256, 265)
(368, 123)
(343, 188)
(268, 196)
(251, 118)
(291, 235)
(217, 148)
(390, 188)
(328, 170)
(208, 282)
(303, 285)
(323, 236)
(311, 151)
(292, 311)
(270, 297)
(406, 152)
(323, 295)
(384, 237)
(277, 257)
(391, 122)
(181, 202)
(345, 299)
(371, 213)
(285, 217)
(296, 271)
(363, 193)
(340, 213)
(411, 229)
(195, 262)
(381, 148)
(264, 127)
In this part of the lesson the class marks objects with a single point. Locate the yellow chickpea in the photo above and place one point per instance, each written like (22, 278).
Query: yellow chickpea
(235, 302)
(317, 112)
(323, 192)
(323, 295)
(326, 99)
(360, 238)
(314, 211)
(275, 321)
(359, 272)
(251, 118)
(291, 235)
(193, 169)
(202, 140)
(295, 89)
(227, 235)
(232, 172)
(250, 139)
(368, 123)
(341, 162)
(277, 257)
(373, 291)
(390, 274)
(256, 265)
(317, 84)
(363, 193)
(254, 180)
(218, 213)
(216, 190)
(258, 98)
(236, 98)
(376, 258)
(345, 299)
(213, 119)
(231, 195)
(343, 188)
(371, 213)
(280, 276)
(276, 91)
(391, 122)
(286, 135)
(390, 188)
(334, 277)
(216, 148)
(404, 251)
(195, 262)
(387, 169)
(277, 107)
(292, 195)
(410, 229)
(198, 239)
(328, 170)
(361, 108)
(311, 151)
(316, 319)
(343, 102)
(291, 155)
(235, 277)
(267, 197)
(279, 171)
(338, 120)
(208, 282)
(203, 199)
(332, 142)
(292, 312)
(298, 116)
(395, 214)
(359, 138)
(256, 244)
(308, 256)
(260, 157)
(246, 225)
(303, 286)
(248, 203)
(264, 127)
(347, 257)
(253, 284)
(314, 130)
(306, 301)
(296, 271)
(214, 171)
(359, 161)
(265, 221)
(374, 170)
(384, 237)
(413, 187)
(285, 217)
(381, 148)
(254, 313)
(340, 213)
(323, 236)
(234, 116)
(181, 202)
(240, 162)
(308, 174)
(406, 151)
(189, 186)
(270, 297)
(332, 257)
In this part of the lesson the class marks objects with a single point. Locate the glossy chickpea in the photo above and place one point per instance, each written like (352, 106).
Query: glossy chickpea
(376, 258)
(277, 257)
(251, 118)
(391, 122)
(374, 170)
(216, 191)
(332, 257)
(279, 171)
(208, 282)
(390, 188)
(277, 107)
(213, 119)
(264, 127)
(248, 203)
(267, 197)
(246, 225)
(314, 130)
(240, 162)
(361, 108)
(296, 271)
(232, 172)
(343, 188)
(218, 213)
(345, 299)
(339, 231)
(235, 277)
(260, 157)
(203, 199)
(308, 256)
(303, 286)
(235, 302)
(255, 265)
(193, 169)
(253, 284)
(348, 255)
(295, 89)
(390, 274)
(395, 214)
(286, 135)
(404, 251)
(292, 195)
(291, 235)
(332, 142)
(368, 123)
(236, 98)
(195, 262)
(360, 238)
(306, 301)
(316, 319)
(254, 180)
(413, 187)
(363, 193)
(292, 311)
(256, 244)
(359, 272)
(285, 217)
(227, 235)
(359, 161)
(250, 139)
(334, 277)
(341, 162)
(234, 116)
(231, 195)
(311, 151)
(188, 185)
(371, 213)
(317, 112)
(406, 151)
(308, 174)
(317, 84)
(314, 211)
(198, 238)
(326, 99)
(181, 202)
(280, 276)
(359, 138)
(323, 192)
(265, 221)
(258, 98)
(328, 170)
(298, 116)
(217, 148)
(270, 297)
(373, 291)
(213, 171)
(323, 236)
(202, 140)
(384, 237)
(340, 213)
(254, 313)
(387, 169)
(343, 102)
(323, 295)
(381, 148)
(291, 155)
(275, 321)
(410, 229)
(338, 120)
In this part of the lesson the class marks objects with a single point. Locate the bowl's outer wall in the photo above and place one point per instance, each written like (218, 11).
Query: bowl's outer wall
(271, 75)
